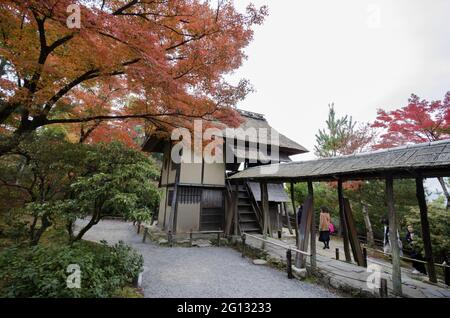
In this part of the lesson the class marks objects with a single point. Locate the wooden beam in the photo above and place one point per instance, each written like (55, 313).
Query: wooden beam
(343, 225)
(420, 193)
(393, 240)
(265, 207)
(313, 227)
(352, 234)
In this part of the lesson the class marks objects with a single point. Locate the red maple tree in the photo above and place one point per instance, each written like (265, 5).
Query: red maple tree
(419, 121)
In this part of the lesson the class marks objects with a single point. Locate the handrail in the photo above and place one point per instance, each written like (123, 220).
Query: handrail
(228, 187)
(279, 245)
(255, 205)
(406, 258)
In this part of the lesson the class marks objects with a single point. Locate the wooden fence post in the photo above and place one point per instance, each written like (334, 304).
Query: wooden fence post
(243, 245)
(170, 238)
(365, 256)
(383, 288)
(337, 253)
(289, 263)
(447, 273)
(145, 234)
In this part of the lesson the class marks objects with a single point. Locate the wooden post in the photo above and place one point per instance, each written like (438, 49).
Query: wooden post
(337, 253)
(295, 215)
(174, 203)
(313, 227)
(243, 244)
(139, 228)
(235, 208)
(286, 214)
(265, 207)
(190, 238)
(218, 238)
(447, 274)
(393, 240)
(352, 234)
(420, 193)
(342, 224)
(304, 231)
(365, 256)
(297, 238)
(170, 238)
(279, 227)
(145, 234)
(383, 288)
(289, 263)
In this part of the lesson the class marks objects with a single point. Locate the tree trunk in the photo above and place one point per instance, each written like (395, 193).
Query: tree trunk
(69, 227)
(94, 220)
(444, 189)
(45, 224)
(369, 230)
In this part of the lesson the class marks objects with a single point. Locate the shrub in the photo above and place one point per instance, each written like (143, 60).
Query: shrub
(40, 271)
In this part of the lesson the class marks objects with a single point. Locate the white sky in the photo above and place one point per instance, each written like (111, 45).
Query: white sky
(361, 55)
(309, 53)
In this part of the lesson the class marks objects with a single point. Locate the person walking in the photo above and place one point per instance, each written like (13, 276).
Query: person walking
(419, 267)
(324, 227)
(299, 215)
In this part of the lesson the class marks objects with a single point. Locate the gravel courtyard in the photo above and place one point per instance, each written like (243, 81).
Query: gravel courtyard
(203, 272)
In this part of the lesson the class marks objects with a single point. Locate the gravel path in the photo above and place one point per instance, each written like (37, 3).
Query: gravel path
(217, 272)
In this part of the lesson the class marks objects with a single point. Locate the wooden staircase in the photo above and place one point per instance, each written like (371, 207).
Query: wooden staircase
(248, 221)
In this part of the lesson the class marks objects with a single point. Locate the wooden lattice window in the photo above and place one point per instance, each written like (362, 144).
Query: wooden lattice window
(190, 195)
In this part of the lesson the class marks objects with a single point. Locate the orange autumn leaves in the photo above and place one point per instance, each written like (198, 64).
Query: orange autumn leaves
(162, 61)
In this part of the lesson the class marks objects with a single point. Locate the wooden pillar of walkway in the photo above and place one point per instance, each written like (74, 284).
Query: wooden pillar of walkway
(313, 227)
(420, 193)
(295, 215)
(393, 239)
(342, 222)
(265, 207)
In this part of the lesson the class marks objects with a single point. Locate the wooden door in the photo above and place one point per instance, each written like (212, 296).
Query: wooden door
(212, 210)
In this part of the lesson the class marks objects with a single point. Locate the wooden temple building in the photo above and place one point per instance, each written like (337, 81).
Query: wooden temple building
(198, 196)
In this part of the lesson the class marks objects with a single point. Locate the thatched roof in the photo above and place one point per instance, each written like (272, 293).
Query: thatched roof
(427, 159)
(257, 123)
(252, 123)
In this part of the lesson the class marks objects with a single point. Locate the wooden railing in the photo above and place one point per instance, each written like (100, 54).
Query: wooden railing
(256, 209)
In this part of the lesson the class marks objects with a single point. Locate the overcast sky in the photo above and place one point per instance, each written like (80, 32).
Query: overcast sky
(361, 55)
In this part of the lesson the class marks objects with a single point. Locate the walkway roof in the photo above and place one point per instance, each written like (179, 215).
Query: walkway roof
(430, 159)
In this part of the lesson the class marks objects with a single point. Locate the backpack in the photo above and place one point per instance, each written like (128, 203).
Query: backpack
(331, 227)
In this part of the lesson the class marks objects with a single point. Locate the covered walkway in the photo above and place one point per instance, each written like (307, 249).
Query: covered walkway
(350, 277)
(428, 160)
